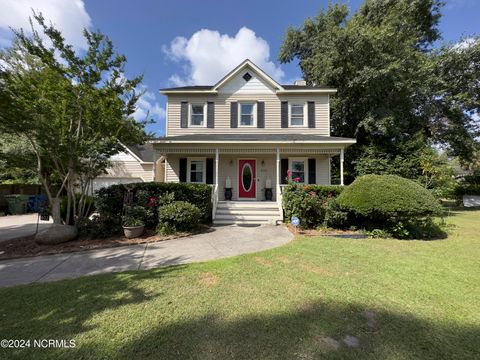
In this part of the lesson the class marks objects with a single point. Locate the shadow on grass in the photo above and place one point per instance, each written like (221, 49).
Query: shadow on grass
(309, 331)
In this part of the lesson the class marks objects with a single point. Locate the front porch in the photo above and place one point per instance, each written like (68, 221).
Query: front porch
(251, 172)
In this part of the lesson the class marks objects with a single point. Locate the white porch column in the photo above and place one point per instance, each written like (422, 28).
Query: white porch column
(217, 152)
(278, 168)
(154, 172)
(341, 166)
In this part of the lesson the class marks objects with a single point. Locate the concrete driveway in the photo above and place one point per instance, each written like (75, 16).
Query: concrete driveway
(220, 242)
(17, 226)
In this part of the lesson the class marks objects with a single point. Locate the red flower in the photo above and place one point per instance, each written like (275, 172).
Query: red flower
(297, 179)
(289, 173)
(152, 201)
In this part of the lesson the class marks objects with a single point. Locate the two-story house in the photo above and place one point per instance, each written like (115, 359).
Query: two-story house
(243, 135)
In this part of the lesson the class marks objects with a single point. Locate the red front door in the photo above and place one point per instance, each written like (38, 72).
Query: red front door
(246, 179)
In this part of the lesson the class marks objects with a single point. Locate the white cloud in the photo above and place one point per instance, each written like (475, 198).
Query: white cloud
(68, 16)
(209, 55)
(464, 44)
(147, 105)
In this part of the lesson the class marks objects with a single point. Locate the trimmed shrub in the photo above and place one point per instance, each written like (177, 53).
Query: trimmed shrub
(388, 202)
(308, 203)
(177, 216)
(110, 200)
(100, 227)
(383, 197)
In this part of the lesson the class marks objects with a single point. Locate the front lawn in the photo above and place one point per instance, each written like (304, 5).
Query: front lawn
(397, 299)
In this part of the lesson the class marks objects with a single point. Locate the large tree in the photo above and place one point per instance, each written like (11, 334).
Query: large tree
(397, 93)
(73, 109)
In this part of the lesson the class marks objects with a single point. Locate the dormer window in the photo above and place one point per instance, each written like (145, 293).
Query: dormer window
(247, 77)
(247, 114)
(197, 115)
(297, 114)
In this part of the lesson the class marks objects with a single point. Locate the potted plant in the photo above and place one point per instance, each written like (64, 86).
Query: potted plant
(133, 221)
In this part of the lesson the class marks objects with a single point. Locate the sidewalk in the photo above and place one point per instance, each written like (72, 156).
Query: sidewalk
(222, 241)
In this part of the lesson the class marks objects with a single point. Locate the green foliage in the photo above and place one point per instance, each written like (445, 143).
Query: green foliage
(395, 90)
(383, 197)
(109, 201)
(177, 216)
(134, 216)
(399, 206)
(73, 109)
(461, 190)
(100, 227)
(88, 201)
(335, 217)
(308, 202)
(17, 161)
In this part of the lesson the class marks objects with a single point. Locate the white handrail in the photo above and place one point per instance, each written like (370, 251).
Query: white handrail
(279, 201)
(214, 201)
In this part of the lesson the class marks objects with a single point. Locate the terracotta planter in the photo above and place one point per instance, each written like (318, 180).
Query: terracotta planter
(133, 231)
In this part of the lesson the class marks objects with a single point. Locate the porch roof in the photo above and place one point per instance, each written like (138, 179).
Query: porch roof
(254, 139)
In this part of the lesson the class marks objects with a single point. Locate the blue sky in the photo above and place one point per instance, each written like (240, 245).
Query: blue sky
(184, 42)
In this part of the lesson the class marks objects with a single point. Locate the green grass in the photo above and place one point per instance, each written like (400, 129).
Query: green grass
(280, 304)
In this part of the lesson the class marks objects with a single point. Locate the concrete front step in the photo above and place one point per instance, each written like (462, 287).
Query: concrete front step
(247, 204)
(252, 211)
(246, 212)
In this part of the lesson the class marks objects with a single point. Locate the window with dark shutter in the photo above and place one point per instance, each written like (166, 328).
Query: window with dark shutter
(233, 115)
(311, 114)
(260, 114)
(183, 170)
(284, 114)
(184, 114)
(211, 114)
(312, 171)
(209, 175)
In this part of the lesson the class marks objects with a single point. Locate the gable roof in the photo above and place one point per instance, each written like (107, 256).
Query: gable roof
(143, 153)
(245, 64)
(213, 89)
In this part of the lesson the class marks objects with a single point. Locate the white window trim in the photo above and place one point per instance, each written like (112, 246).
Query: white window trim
(305, 114)
(190, 113)
(254, 103)
(189, 169)
(305, 167)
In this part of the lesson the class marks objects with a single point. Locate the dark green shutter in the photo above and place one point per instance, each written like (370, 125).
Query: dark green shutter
(233, 115)
(184, 114)
(209, 169)
(284, 114)
(260, 114)
(210, 114)
(312, 171)
(311, 114)
(183, 170)
(283, 171)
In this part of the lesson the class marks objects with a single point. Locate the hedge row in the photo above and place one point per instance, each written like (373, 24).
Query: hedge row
(308, 202)
(109, 201)
(471, 189)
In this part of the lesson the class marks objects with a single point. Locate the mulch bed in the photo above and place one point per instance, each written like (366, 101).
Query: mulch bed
(24, 247)
(326, 232)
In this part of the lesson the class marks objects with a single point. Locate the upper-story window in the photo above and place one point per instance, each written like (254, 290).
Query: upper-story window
(297, 114)
(247, 114)
(197, 115)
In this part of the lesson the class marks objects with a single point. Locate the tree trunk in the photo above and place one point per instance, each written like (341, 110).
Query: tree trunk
(57, 219)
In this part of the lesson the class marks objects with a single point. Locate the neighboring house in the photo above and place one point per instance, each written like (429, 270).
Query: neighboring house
(245, 133)
(135, 164)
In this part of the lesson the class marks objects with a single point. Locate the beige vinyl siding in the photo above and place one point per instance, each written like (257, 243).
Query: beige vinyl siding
(228, 167)
(130, 169)
(272, 113)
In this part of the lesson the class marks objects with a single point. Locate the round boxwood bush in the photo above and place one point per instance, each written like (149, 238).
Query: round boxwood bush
(177, 216)
(386, 197)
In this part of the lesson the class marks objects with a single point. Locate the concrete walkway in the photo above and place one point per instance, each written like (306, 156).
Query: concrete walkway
(220, 242)
(17, 226)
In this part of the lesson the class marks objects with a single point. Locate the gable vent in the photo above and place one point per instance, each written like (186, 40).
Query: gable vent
(247, 76)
